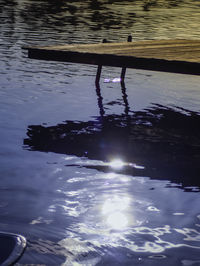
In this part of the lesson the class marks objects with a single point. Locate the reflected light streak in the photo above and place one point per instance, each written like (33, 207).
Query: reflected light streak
(117, 164)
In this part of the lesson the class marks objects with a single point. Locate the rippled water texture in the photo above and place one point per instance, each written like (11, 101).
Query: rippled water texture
(105, 175)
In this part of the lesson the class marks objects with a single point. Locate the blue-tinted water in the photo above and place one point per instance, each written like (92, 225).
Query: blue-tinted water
(98, 176)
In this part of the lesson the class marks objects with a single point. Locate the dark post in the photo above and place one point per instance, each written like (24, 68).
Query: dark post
(100, 100)
(123, 72)
(98, 75)
(125, 98)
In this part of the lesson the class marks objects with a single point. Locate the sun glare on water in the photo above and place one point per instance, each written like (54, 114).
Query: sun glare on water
(114, 212)
(117, 220)
(117, 164)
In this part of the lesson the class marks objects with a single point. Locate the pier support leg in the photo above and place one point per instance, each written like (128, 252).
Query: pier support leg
(123, 72)
(125, 98)
(98, 74)
(100, 100)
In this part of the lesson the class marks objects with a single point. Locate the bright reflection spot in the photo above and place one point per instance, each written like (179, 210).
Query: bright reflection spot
(114, 212)
(152, 208)
(117, 220)
(137, 166)
(115, 204)
(117, 164)
(106, 80)
(115, 80)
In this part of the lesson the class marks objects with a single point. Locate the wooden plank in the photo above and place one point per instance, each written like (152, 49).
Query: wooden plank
(178, 56)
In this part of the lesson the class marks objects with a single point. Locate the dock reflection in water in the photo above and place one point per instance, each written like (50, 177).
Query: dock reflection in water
(126, 202)
(164, 140)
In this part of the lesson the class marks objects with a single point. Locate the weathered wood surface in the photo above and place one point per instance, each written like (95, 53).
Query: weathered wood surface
(178, 56)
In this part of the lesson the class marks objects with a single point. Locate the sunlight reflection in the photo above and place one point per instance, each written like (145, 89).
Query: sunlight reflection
(114, 211)
(117, 220)
(118, 177)
(117, 164)
(115, 80)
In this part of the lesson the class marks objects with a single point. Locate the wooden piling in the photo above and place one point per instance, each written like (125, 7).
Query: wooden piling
(123, 72)
(99, 69)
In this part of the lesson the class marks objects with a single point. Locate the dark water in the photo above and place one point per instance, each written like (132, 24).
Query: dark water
(106, 175)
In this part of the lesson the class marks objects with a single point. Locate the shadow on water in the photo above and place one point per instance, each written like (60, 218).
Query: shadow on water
(165, 140)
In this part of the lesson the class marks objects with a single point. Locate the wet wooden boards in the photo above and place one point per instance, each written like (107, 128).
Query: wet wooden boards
(177, 56)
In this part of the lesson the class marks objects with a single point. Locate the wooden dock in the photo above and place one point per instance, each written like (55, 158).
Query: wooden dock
(176, 56)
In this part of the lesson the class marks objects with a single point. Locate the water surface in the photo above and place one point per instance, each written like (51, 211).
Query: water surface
(106, 175)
